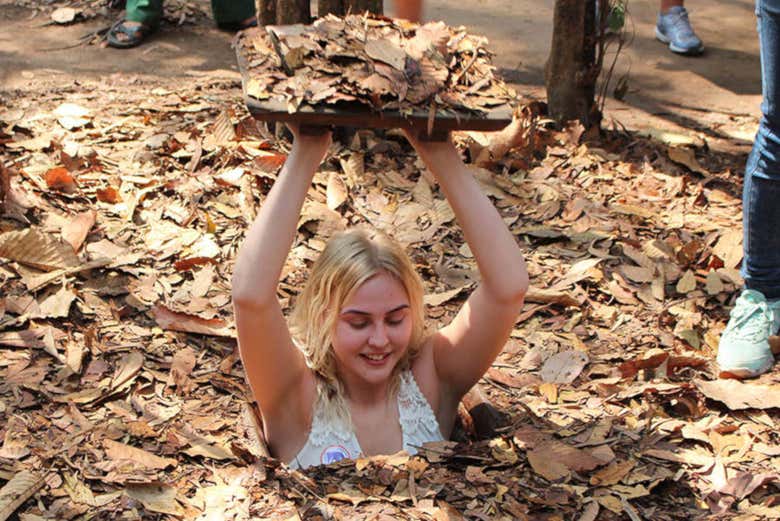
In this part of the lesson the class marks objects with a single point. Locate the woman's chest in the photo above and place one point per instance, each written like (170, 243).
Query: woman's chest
(378, 431)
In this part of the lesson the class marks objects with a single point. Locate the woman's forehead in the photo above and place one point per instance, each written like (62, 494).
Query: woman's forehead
(382, 292)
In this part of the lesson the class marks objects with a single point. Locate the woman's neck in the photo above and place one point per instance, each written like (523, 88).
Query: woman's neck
(367, 396)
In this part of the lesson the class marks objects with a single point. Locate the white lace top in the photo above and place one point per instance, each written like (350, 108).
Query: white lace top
(330, 441)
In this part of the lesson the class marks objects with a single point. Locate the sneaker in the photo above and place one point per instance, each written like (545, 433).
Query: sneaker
(744, 349)
(674, 28)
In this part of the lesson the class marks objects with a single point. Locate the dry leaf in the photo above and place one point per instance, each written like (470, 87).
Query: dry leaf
(564, 368)
(120, 451)
(554, 460)
(737, 395)
(686, 157)
(437, 299)
(613, 473)
(33, 247)
(18, 489)
(72, 116)
(687, 283)
(386, 52)
(127, 369)
(208, 450)
(181, 367)
(729, 248)
(336, 192)
(75, 231)
(57, 304)
(549, 391)
(156, 498)
(714, 285)
(60, 179)
(578, 271)
(64, 15)
(174, 321)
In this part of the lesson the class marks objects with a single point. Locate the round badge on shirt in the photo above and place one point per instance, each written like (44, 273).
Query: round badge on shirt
(333, 453)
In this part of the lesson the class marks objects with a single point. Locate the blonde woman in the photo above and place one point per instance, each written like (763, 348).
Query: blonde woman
(354, 372)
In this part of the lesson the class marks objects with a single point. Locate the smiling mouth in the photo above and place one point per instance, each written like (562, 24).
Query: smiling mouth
(376, 358)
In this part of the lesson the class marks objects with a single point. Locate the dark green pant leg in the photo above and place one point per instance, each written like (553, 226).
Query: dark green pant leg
(231, 11)
(147, 12)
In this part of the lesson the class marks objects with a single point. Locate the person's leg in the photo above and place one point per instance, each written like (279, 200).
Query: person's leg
(674, 28)
(233, 14)
(142, 17)
(744, 347)
(409, 9)
(668, 4)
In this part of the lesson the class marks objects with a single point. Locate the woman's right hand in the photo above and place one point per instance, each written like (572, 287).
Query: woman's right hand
(313, 145)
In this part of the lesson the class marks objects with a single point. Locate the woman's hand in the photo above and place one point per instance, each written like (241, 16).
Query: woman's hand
(437, 155)
(311, 144)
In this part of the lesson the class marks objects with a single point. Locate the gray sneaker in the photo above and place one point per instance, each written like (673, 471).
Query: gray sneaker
(674, 28)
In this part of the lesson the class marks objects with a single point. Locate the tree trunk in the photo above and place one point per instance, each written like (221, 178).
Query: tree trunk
(266, 11)
(361, 6)
(292, 12)
(330, 7)
(571, 72)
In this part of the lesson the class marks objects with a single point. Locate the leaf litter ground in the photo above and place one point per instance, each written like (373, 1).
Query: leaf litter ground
(121, 393)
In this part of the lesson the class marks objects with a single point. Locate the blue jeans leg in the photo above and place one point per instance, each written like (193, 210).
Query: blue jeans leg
(761, 195)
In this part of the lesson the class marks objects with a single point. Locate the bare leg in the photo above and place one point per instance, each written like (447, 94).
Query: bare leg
(666, 4)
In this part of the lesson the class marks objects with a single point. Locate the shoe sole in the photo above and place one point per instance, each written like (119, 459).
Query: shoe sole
(677, 50)
(741, 374)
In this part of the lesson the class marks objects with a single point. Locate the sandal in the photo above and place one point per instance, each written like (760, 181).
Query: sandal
(120, 36)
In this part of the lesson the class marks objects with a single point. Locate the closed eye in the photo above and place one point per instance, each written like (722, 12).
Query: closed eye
(358, 325)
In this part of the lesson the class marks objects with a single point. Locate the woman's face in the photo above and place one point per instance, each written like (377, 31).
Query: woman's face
(372, 331)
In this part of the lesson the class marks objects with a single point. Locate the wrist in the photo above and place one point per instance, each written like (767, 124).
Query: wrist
(305, 155)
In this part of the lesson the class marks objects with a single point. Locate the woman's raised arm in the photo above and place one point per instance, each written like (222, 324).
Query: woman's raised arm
(273, 365)
(466, 348)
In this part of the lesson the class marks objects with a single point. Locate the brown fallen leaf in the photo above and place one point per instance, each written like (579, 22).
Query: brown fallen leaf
(737, 395)
(336, 191)
(31, 338)
(129, 366)
(687, 283)
(613, 473)
(554, 460)
(33, 247)
(108, 195)
(156, 498)
(687, 456)
(174, 321)
(75, 231)
(686, 157)
(729, 248)
(57, 304)
(18, 489)
(60, 179)
(549, 296)
(564, 368)
(181, 367)
(387, 52)
(437, 299)
(120, 451)
(510, 380)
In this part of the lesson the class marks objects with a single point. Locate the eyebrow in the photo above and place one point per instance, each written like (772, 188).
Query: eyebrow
(364, 313)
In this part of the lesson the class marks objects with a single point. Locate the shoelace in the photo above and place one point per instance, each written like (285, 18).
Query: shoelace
(754, 329)
(682, 25)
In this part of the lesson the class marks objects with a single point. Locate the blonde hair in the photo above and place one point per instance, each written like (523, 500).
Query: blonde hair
(349, 259)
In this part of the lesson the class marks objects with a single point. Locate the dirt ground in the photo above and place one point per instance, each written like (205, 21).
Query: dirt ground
(713, 94)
